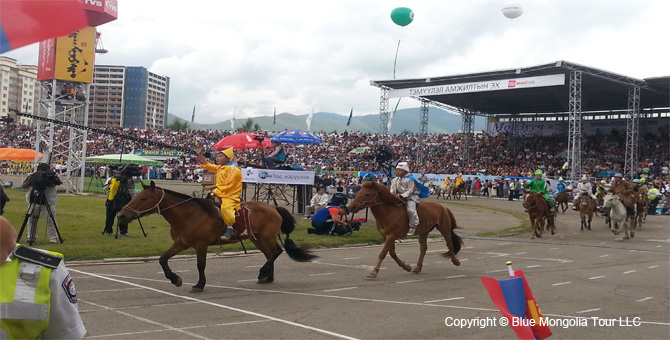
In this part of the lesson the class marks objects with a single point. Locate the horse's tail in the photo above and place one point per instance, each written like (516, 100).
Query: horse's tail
(456, 240)
(287, 226)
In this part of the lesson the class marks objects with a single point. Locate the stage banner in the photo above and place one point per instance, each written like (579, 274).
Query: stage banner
(158, 154)
(75, 54)
(481, 86)
(277, 176)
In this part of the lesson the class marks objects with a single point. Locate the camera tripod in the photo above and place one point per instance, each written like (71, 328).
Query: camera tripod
(37, 196)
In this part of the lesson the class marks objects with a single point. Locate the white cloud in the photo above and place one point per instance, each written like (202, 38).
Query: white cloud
(299, 55)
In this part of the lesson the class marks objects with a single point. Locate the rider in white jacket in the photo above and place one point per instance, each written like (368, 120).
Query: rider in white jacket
(583, 186)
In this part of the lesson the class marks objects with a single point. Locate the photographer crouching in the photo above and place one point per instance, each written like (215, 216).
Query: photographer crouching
(121, 190)
(41, 198)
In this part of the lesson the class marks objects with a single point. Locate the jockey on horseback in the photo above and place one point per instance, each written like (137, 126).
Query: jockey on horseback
(405, 189)
(560, 187)
(539, 185)
(583, 187)
(446, 183)
(625, 190)
(459, 181)
(228, 186)
(600, 189)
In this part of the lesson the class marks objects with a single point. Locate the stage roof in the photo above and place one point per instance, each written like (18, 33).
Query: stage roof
(601, 91)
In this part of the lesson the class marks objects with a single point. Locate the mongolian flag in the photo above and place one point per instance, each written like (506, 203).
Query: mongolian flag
(193, 114)
(517, 303)
(25, 22)
(351, 114)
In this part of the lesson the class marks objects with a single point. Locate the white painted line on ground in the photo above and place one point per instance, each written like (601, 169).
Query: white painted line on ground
(454, 276)
(496, 271)
(440, 262)
(494, 254)
(321, 274)
(533, 266)
(211, 304)
(561, 283)
(360, 266)
(410, 281)
(254, 266)
(449, 299)
(176, 271)
(463, 260)
(587, 310)
(652, 267)
(468, 247)
(554, 248)
(595, 277)
(521, 253)
(339, 289)
(603, 242)
(504, 243)
(604, 255)
(105, 290)
(352, 258)
(247, 280)
(645, 299)
(434, 251)
(630, 271)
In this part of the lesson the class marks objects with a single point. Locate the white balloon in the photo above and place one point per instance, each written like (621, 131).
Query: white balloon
(512, 10)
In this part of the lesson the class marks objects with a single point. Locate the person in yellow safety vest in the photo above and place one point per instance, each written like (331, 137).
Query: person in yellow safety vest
(38, 299)
(228, 186)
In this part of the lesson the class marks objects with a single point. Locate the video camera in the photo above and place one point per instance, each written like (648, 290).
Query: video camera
(128, 171)
(42, 180)
(384, 154)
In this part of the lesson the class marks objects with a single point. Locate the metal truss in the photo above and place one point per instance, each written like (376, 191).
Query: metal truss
(575, 124)
(424, 117)
(632, 131)
(467, 127)
(70, 145)
(384, 110)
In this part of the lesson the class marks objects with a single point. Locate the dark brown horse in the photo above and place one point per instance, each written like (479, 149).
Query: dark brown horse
(460, 190)
(562, 200)
(538, 212)
(393, 223)
(197, 223)
(586, 206)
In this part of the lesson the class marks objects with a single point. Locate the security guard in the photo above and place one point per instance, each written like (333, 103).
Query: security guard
(38, 299)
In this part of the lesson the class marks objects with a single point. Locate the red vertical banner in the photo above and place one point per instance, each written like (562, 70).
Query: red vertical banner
(46, 64)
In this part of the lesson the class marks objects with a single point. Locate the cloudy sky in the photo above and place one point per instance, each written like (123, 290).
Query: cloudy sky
(303, 55)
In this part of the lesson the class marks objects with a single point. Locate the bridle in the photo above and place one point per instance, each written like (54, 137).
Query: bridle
(156, 206)
(537, 201)
(368, 203)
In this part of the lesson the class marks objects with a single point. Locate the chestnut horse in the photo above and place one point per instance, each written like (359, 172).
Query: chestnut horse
(538, 212)
(461, 190)
(586, 206)
(197, 223)
(562, 199)
(393, 223)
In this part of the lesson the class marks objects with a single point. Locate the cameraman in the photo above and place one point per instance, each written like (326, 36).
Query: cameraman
(121, 188)
(42, 184)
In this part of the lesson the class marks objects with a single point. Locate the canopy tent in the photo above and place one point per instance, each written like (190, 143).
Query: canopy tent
(122, 159)
(11, 154)
(243, 141)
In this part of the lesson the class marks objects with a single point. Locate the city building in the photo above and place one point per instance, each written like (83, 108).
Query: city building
(19, 89)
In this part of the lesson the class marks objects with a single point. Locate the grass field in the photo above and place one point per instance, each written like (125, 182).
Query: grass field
(81, 219)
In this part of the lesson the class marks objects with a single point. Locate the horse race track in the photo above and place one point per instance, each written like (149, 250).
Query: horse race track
(598, 287)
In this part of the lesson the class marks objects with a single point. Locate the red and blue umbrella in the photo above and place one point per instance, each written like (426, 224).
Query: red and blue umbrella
(296, 137)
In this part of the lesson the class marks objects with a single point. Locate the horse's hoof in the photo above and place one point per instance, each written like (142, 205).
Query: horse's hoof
(619, 239)
(178, 282)
(455, 261)
(407, 268)
(615, 232)
(632, 234)
(196, 289)
(626, 238)
(372, 275)
(416, 270)
(265, 280)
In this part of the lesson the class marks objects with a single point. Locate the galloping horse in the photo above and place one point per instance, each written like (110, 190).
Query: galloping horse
(562, 201)
(641, 208)
(586, 209)
(393, 223)
(538, 212)
(618, 216)
(197, 223)
(444, 192)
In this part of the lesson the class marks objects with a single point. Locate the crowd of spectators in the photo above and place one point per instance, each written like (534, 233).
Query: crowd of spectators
(430, 153)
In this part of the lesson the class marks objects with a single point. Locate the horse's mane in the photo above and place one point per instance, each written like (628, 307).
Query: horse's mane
(204, 203)
(384, 192)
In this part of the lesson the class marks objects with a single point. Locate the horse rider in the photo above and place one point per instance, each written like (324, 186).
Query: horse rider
(228, 186)
(583, 187)
(539, 185)
(653, 196)
(446, 183)
(406, 190)
(560, 187)
(625, 190)
(459, 181)
(600, 188)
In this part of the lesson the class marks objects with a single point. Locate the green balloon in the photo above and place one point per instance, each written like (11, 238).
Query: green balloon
(402, 16)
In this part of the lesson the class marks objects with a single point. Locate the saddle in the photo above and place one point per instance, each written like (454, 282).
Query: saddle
(242, 224)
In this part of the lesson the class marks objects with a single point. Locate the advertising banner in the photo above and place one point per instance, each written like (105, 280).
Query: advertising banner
(75, 54)
(277, 176)
(46, 63)
(589, 127)
(481, 86)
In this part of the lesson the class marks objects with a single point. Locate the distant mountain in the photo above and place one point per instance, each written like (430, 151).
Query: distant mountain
(439, 121)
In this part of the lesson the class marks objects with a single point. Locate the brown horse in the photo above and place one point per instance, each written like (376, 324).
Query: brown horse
(562, 200)
(641, 207)
(538, 212)
(460, 190)
(197, 223)
(587, 206)
(393, 223)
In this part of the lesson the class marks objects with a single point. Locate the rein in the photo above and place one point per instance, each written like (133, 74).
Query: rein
(366, 202)
(537, 201)
(157, 205)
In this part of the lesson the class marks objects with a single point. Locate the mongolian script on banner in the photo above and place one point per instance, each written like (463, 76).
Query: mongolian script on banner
(277, 176)
(589, 127)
